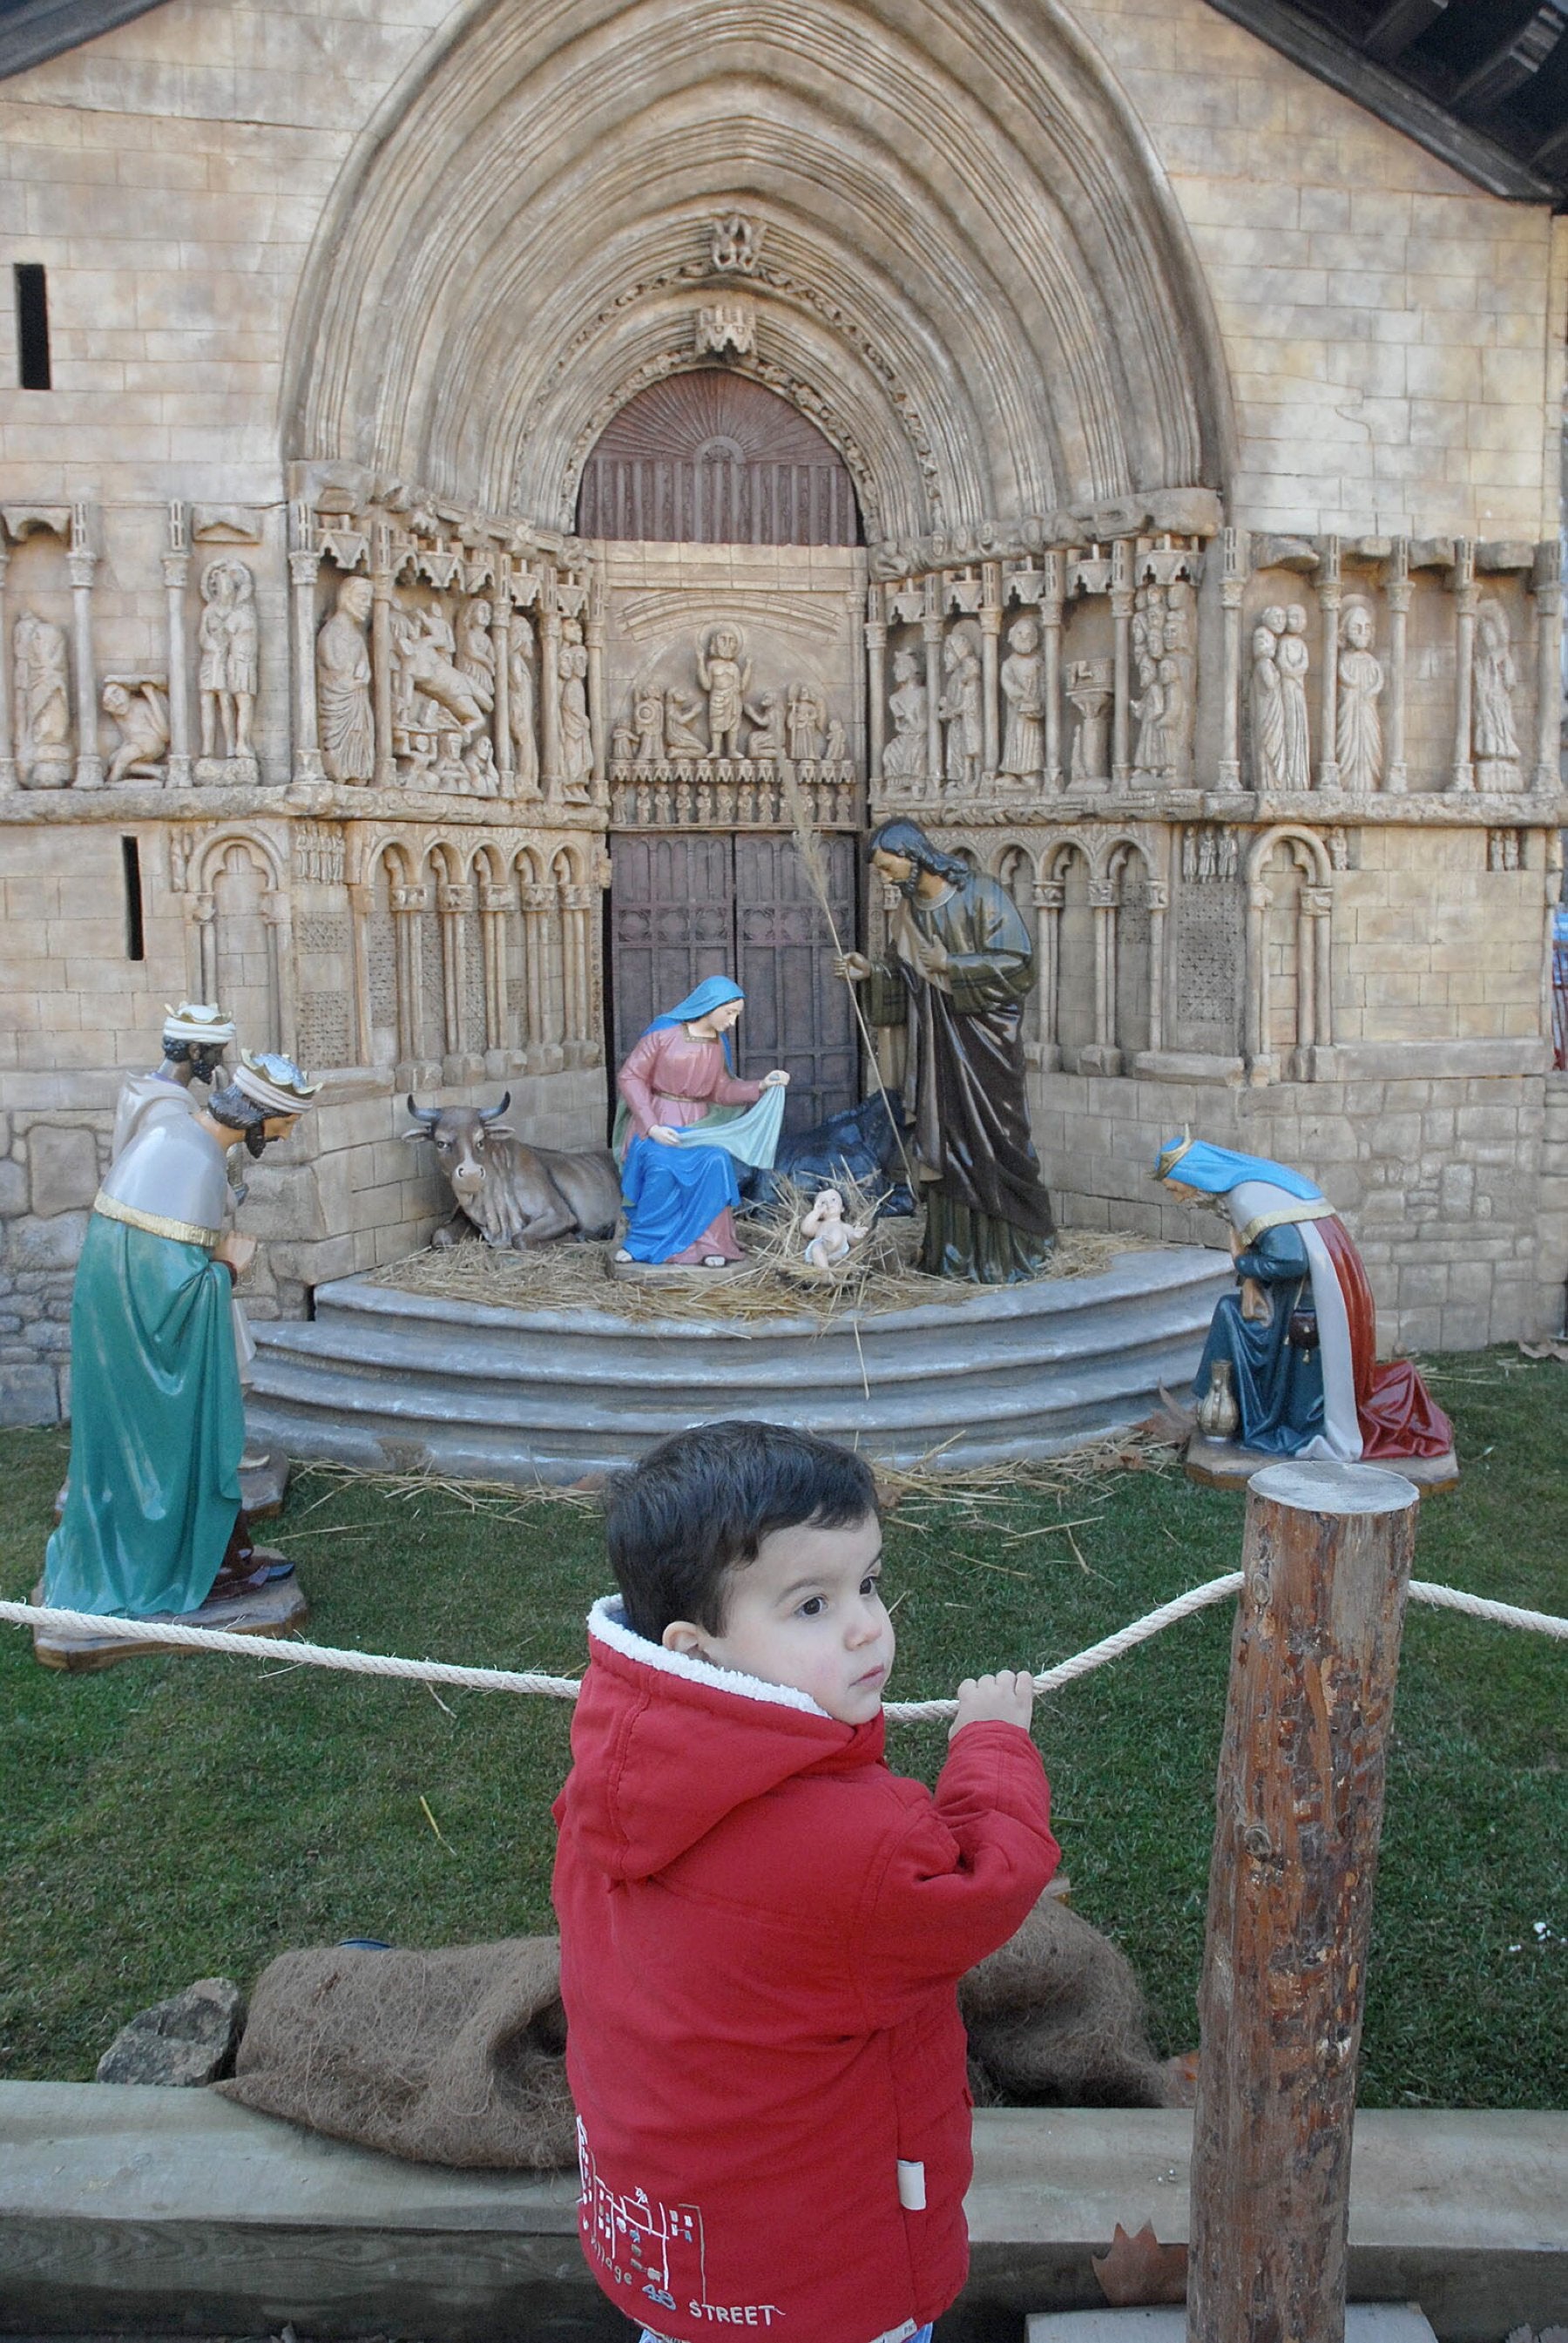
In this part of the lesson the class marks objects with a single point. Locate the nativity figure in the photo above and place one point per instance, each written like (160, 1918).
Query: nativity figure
(961, 967)
(682, 1133)
(1299, 1336)
(152, 1524)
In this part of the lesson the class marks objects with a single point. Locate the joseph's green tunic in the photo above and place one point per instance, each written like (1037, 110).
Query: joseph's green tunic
(157, 1427)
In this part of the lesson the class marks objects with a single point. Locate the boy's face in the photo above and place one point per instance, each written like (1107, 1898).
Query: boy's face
(807, 1612)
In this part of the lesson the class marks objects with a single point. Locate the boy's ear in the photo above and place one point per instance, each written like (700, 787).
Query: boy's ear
(681, 1636)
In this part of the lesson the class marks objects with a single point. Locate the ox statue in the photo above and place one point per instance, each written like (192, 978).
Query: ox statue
(517, 1195)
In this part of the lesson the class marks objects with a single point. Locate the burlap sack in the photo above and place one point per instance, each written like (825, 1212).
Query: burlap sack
(457, 2057)
(1055, 2019)
(447, 2057)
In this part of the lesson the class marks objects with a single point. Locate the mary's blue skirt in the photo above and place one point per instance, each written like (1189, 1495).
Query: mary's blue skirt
(672, 1194)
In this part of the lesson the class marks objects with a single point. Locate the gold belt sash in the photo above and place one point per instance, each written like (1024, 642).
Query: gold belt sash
(1301, 1210)
(155, 1224)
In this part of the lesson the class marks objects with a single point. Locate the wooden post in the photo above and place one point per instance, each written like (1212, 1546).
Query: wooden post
(1298, 1816)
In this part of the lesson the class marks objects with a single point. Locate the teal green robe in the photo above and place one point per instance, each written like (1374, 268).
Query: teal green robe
(158, 1428)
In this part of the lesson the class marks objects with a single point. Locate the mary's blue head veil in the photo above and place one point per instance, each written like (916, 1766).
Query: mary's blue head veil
(1215, 1170)
(711, 993)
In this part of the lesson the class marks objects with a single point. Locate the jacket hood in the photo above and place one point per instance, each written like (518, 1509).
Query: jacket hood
(665, 1747)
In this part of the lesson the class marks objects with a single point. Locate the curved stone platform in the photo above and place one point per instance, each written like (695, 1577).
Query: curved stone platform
(384, 1379)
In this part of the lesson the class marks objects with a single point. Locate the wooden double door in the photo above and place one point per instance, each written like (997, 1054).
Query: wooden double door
(737, 903)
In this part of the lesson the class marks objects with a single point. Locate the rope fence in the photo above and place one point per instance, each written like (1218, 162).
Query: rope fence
(170, 1635)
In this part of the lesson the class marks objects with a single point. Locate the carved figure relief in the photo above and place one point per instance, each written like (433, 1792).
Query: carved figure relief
(904, 757)
(520, 706)
(1494, 675)
(1089, 689)
(767, 740)
(577, 737)
(725, 674)
(441, 701)
(229, 642)
(1293, 659)
(682, 711)
(960, 707)
(1023, 690)
(648, 716)
(139, 706)
(805, 716)
(42, 702)
(1178, 679)
(1268, 706)
(1358, 728)
(346, 721)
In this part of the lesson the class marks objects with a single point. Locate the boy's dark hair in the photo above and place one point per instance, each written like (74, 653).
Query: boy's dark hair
(700, 1505)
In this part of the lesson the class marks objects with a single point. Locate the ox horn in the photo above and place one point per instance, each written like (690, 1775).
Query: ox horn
(428, 1115)
(494, 1113)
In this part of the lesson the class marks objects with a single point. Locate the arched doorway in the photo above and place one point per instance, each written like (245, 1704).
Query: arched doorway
(734, 587)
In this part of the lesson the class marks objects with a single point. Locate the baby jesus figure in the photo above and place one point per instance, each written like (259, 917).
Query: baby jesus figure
(830, 1235)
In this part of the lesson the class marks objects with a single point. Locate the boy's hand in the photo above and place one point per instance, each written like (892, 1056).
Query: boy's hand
(1006, 1698)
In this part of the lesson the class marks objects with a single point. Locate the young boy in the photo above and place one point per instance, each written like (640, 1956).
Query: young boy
(762, 1928)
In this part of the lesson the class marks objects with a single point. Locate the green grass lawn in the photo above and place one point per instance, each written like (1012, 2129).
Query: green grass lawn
(176, 1818)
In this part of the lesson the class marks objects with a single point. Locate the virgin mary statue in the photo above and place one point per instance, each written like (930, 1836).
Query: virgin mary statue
(685, 1131)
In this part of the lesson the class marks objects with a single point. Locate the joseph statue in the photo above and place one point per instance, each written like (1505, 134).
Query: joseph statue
(153, 1523)
(960, 969)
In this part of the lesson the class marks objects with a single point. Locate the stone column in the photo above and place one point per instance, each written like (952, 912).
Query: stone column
(593, 639)
(1396, 779)
(1329, 605)
(407, 913)
(876, 683)
(577, 903)
(361, 910)
(1050, 635)
(177, 563)
(1121, 593)
(1047, 901)
(1232, 586)
(7, 718)
(277, 911)
(1103, 894)
(1315, 967)
(381, 652)
(501, 641)
(303, 563)
(1546, 585)
(496, 903)
(204, 911)
(82, 562)
(539, 917)
(549, 686)
(931, 635)
(1461, 585)
(1159, 900)
(990, 663)
(1255, 1006)
(456, 901)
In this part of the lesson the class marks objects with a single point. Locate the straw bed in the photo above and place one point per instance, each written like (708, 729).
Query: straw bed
(774, 1281)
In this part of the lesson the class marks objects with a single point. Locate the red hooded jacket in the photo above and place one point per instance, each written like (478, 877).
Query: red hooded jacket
(762, 1931)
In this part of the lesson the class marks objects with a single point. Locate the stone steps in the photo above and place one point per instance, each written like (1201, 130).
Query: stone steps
(383, 1377)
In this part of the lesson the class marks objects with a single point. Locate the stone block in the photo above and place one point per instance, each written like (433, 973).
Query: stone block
(51, 1243)
(1456, 1191)
(1466, 1326)
(187, 2040)
(13, 1190)
(29, 1394)
(63, 1164)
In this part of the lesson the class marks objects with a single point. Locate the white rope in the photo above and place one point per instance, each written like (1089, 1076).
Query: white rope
(1475, 1606)
(167, 1633)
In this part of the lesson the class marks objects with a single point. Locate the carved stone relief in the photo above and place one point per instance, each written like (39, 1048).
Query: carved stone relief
(138, 707)
(1493, 736)
(228, 644)
(1358, 729)
(347, 726)
(1282, 748)
(42, 703)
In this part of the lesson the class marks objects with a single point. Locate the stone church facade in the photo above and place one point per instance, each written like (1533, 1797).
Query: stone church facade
(496, 452)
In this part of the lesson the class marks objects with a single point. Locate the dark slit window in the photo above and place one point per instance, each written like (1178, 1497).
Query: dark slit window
(131, 854)
(32, 326)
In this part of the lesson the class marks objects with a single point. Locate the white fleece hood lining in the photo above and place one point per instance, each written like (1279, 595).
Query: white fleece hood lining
(606, 1621)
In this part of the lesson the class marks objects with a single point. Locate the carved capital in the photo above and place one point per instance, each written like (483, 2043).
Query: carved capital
(176, 570)
(303, 566)
(411, 899)
(1104, 894)
(81, 562)
(1317, 902)
(537, 898)
(456, 897)
(1049, 894)
(1156, 895)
